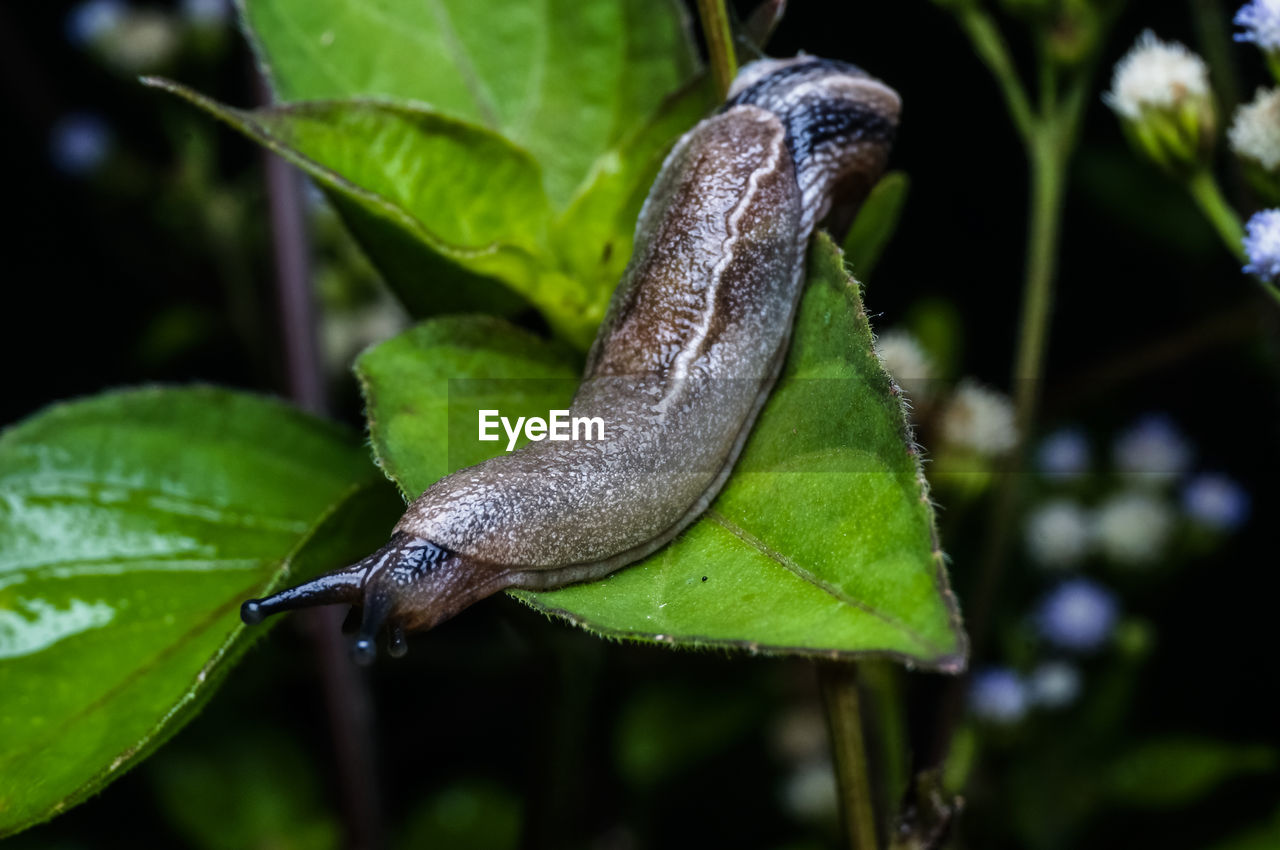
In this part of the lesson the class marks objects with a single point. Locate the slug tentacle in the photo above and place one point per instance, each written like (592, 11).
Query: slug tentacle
(691, 345)
(329, 589)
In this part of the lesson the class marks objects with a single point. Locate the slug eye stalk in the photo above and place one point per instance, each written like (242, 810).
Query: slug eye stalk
(409, 583)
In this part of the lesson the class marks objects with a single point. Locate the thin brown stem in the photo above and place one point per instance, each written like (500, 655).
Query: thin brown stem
(346, 693)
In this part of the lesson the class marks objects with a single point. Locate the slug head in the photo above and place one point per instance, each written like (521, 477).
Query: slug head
(408, 585)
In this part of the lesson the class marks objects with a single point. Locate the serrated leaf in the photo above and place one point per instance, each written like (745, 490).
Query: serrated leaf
(564, 79)
(132, 525)
(821, 543)
(443, 205)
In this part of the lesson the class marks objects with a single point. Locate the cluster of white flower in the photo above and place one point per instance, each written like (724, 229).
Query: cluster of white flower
(1059, 534)
(1133, 528)
(1255, 131)
(979, 419)
(1156, 74)
(906, 361)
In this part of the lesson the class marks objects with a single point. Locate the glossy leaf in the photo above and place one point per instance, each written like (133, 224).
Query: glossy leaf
(822, 542)
(564, 79)
(132, 525)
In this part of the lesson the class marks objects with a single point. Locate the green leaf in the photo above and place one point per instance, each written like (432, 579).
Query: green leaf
(443, 205)
(822, 543)
(876, 223)
(564, 79)
(422, 390)
(594, 237)
(1174, 772)
(132, 525)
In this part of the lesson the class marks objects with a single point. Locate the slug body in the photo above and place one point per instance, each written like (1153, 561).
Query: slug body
(692, 343)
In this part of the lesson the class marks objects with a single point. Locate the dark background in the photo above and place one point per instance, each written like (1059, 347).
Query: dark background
(1151, 314)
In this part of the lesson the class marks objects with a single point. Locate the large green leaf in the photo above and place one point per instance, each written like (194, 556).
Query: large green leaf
(486, 155)
(821, 543)
(132, 525)
(564, 79)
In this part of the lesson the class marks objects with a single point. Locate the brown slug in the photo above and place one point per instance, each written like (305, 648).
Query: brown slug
(691, 345)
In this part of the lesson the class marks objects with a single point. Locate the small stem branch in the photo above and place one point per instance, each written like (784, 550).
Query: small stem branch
(1047, 178)
(715, 27)
(994, 53)
(1204, 188)
(839, 684)
(293, 286)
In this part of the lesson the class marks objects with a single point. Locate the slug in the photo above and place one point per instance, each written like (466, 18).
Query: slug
(691, 345)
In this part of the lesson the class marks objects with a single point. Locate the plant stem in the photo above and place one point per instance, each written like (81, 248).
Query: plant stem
(839, 682)
(346, 692)
(992, 50)
(715, 28)
(1048, 173)
(1204, 188)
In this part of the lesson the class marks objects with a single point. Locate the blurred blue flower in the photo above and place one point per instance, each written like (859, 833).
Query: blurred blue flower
(1064, 454)
(1262, 244)
(1216, 501)
(1154, 449)
(998, 695)
(79, 143)
(1054, 684)
(92, 19)
(1261, 22)
(1077, 615)
(206, 13)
